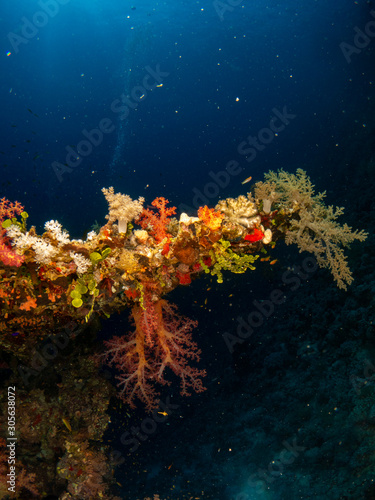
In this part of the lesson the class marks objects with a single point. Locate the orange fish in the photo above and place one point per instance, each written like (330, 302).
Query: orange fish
(273, 262)
(248, 179)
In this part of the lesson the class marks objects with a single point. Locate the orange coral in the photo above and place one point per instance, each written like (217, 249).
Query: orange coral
(156, 223)
(29, 304)
(9, 209)
(211, 217)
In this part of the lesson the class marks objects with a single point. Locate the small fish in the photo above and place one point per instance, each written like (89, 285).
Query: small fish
(273, 262)
(32, 112)
(248, 179)
(67, 424)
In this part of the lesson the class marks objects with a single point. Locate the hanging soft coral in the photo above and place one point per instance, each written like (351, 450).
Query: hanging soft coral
(161, 340)
(156, 223)
(212, 218)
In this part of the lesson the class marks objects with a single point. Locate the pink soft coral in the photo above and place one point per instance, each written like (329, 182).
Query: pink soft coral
(161, 340)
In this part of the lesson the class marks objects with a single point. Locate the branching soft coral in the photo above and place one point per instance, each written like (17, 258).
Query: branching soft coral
(312, 226)
(155, 222)
(122, 208)
(9, 210)
(161, 340)
(317, 231)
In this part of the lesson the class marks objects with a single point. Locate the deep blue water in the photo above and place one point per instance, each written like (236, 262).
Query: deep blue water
(222, 75)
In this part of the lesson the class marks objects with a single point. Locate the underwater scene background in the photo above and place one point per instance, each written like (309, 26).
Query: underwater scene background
(186, 101)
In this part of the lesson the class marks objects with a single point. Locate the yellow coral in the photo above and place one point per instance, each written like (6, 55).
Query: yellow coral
(127, 262)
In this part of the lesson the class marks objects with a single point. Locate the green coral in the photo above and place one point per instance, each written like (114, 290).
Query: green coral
(96, 257)
(83, 285)
(226, 260)
(77, 302)
(14, 222)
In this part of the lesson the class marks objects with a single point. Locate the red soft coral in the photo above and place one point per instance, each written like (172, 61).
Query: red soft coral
(161, 340)
(156, 223)
(9, 256)
(256, 235)
(8, 210)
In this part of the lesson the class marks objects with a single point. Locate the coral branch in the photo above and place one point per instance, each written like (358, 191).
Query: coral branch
(161, 340)
(314, 228)
(157, 222)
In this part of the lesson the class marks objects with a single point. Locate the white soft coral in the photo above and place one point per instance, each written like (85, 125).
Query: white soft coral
(55, 228)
